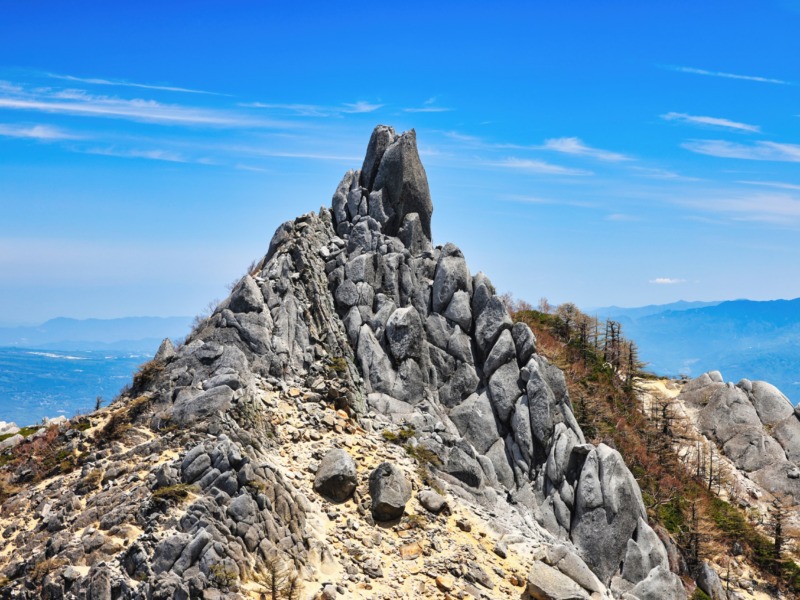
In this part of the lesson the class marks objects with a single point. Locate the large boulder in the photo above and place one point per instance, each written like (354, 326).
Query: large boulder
(608, 506)
(390, 491)
(336, 476)
(770, 404)
(644, 554)
(547, 583)
(405, 334)
(660, 584)
(708, 581)
(476, 422)
(451, 276)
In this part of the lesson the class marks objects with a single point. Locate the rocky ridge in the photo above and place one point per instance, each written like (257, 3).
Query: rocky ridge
(754, 425)
(743, 438)
(194, 484)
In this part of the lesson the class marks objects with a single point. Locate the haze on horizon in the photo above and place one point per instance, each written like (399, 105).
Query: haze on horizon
(624, 154)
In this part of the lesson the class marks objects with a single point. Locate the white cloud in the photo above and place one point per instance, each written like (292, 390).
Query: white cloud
(622, 217)
(153, 154)
(656, 173)
(712, 121)
(35, 132)
(243, 167)
(537, 166)
(666, 281)
(135, 110)
(772, 151)
(773, 184)
(428, 109)
(463, 138)
(573, 145)
(546, 201)
(243, 150)
(779, 208)
(81, 103)
(728, 75)
(122, 83)
(317, 110)
(429, 106)
(361, 107)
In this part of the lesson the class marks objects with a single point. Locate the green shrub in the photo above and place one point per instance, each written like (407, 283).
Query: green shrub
(147, 375)
(223, 576)
(43, 567)
(92, 480)
(26, 431)
(138, 406)
(174, 493)
(423, 455)
(339, 365)
(82, 424)
(401, 437)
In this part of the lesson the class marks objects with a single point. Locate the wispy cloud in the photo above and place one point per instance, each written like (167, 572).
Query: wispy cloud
(712, 121)
(264, 151)
(773, 184)
(546, 201)
(665, 174)
(152, 154)
(87, 105)
(429, 106)
(361, 107)
(622, 218)
(695, 71)
(666, 281)
(573, 145)
(317, 110)
(123, 83)
(36, 132)
(428, 109)
(537, 166)
(76, 102)
(780, 208)
(772, 151)
(464, 138)
(251, 168)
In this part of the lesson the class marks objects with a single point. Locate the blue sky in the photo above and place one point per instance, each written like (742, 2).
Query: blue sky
(598, 152)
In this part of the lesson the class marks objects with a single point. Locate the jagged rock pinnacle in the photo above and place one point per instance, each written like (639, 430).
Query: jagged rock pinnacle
(392, 184)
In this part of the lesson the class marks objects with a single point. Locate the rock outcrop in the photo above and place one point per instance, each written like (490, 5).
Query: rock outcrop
(754, 425)
(429, 336)
(356, 308)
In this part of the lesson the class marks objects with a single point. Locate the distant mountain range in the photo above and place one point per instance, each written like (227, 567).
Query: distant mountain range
(741, 338)
(128, 333)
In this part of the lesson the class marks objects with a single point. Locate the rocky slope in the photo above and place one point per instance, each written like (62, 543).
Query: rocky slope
(354, 331)
(754, 425)
(742, 441)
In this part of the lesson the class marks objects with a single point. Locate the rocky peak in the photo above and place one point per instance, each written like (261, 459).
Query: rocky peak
(391, 186)
(355, 309)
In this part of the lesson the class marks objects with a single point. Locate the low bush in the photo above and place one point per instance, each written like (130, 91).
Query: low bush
(401, 437)
(174, 493)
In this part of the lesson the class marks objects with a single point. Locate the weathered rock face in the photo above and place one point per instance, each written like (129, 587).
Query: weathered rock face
(360, 294)
(755, 425)
(428, 334)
